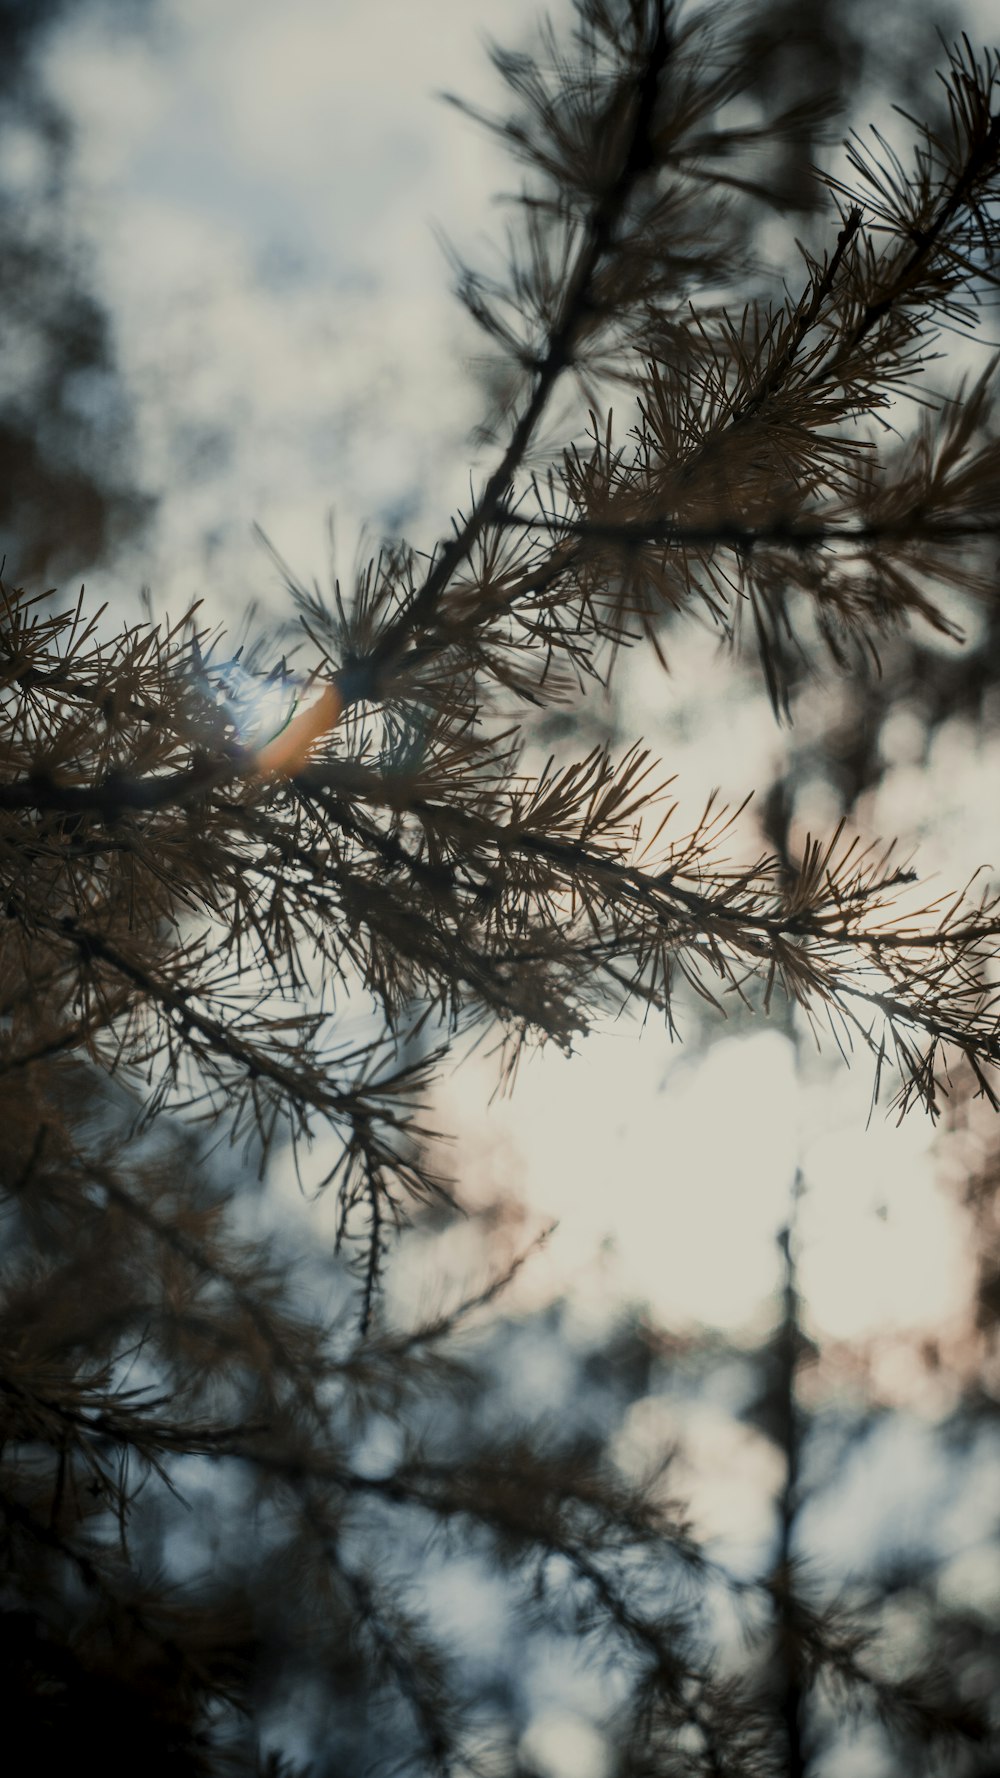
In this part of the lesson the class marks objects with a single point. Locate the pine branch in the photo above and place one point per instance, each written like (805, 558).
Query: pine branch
(637, 158)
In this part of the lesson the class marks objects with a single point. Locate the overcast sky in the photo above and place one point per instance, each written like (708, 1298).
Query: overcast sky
(259, 188)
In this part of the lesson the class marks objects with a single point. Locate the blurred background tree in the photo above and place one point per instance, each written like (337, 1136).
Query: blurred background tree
(237, 1528)
(68, 499)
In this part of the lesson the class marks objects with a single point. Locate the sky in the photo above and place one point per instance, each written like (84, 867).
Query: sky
(262, 188)
(261, 192)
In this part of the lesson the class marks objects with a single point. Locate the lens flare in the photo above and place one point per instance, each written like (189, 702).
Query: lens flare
(275, 715)
(287, 751)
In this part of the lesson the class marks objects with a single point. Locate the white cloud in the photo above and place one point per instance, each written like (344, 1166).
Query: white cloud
(685, 1164)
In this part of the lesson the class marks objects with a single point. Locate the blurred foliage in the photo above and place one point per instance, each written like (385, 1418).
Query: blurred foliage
(67, 499)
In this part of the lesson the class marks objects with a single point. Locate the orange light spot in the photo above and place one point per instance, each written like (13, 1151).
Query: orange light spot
(289, 749)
